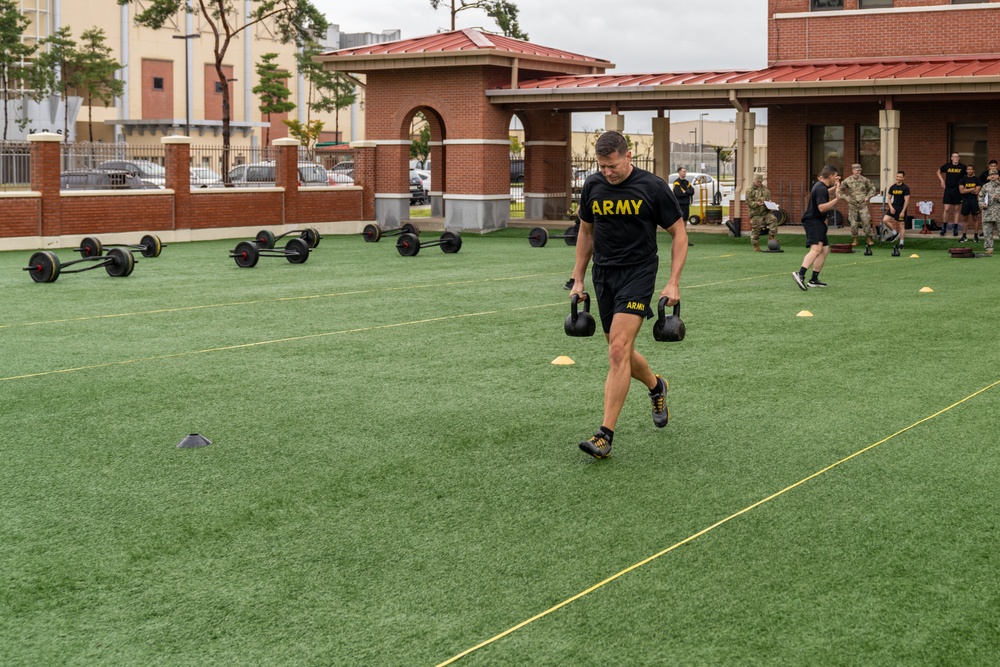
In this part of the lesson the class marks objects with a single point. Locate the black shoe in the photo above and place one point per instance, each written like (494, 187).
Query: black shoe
(598, 446)
(975, 238)
(799, 281)
(816, 283)
(895, 251)
(892, 239)
(661, 413)
(569, 284)
(963, 239)
(955, 232)
(944, 230)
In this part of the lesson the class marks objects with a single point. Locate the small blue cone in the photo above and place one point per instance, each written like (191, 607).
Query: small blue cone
(194, 440)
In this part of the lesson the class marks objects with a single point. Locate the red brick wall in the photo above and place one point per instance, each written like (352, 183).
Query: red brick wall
(158, 104)
(826, 35)
(22, 216)
(116, 213)
(213, 100)
(232, 208)
(323, 206)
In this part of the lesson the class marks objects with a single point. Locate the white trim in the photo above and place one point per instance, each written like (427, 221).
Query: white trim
(884, 10)
(544, 143)
(546, 195)
(25, 194)
(435, 143)
(222, 190)
(476, 142)
(286, 141)
(136, 192)
(478, 197)
(363, 144)
(390, 142)
(45, 136)
(391, 195)
(175, 139)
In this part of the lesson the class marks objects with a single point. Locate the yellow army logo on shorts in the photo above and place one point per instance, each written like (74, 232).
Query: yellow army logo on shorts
(635, 305)
(612, 207)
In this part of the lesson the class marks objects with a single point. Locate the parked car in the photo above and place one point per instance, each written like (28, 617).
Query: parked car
(203, 177)
(147, 170)
(346, 167)
(98, 179)
(339, 178)
(517, 171)
(417, 193)
(425, 179)
(716, 191)
(579, 176)
(262, 174)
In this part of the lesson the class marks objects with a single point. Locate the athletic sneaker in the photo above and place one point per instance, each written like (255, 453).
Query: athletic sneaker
(975, 239)
(661, 413)
(816, 283)
(799, 281)
(963, 239)
(597, 446)
(569, 284)
(944, 230)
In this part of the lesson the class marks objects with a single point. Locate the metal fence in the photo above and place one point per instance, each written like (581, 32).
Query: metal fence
(15, 165)
(85, 155)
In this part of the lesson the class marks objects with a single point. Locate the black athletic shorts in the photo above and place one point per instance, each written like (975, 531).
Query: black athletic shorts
(815, 232)
(626, 289)
(685, 211)
(952, 196)
(897, 216)
(970, 205)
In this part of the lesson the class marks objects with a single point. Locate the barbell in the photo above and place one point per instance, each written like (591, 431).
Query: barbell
(539, 236)
(409, 245)
(373, 232)
(45, 267)
(266, 239)
(149, 245)
(248, 253)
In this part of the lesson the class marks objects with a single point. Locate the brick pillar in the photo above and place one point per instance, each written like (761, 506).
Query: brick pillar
(286, 175)
(364, 175)
(178, 166)
(45, 168)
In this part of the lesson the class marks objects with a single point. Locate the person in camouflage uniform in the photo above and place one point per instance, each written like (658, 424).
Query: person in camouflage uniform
(858, 191)
(989, 204)
(760, 217)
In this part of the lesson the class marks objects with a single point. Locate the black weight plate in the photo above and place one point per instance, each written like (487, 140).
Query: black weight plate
(91, 247)
(264, 239)
(44, 267)
(451, 242)
(410, 228)
(408, 245)
(298, 251)
(570, 236)
(246, 254)
(781, 215)
(150, 246)
(311, 236)
(372, 233)
(121, 263)
(538, 237)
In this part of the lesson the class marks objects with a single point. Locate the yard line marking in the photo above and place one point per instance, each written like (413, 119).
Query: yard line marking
(179, 309)
(715, 525)
(275, 341)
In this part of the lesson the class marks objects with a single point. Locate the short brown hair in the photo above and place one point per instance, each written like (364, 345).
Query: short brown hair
(611, 142)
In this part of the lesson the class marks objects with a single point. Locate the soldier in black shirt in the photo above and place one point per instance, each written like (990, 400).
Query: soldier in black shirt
(683, 190)
(969, 189)
(814, 222)
(950, 174)
(895, 215)
(621, 207)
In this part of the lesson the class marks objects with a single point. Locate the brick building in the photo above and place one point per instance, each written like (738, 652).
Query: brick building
(892, 84)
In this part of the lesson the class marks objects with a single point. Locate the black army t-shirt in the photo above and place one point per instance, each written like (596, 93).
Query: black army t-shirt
(625, 216)
(953, 173)
(899, 193)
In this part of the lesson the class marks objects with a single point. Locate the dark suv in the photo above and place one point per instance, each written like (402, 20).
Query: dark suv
(417, 193)
(103, 179)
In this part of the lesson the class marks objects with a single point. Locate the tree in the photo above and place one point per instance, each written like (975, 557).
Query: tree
(420, 148)
(274, 94)
(501, 11)
(13, 53)
(291, 21)
(307, 132)
(55, 70)
(516, 149)
(95, 73)
(334, 90)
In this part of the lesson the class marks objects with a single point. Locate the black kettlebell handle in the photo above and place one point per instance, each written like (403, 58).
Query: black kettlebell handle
(663, 304)
(575, 300)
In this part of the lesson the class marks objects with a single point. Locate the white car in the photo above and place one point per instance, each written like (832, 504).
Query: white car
(339, 178)
(425, 179)
(202, 177)
(707, 182)
(147, 170)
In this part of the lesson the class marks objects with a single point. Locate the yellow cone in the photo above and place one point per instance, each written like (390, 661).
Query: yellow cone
(563, 361)
(926, 289)
(804, 313)
(914, 255)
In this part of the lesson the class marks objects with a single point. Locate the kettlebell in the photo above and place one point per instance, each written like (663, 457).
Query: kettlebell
(668, 328)
(580, 323)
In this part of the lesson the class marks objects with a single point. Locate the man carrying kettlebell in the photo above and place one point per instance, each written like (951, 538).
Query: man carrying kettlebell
(621, 207)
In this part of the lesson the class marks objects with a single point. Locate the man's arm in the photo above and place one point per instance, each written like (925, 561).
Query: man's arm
(940, 175)
(584, 251)
(832, 202)
(906, 204)
(678, 255)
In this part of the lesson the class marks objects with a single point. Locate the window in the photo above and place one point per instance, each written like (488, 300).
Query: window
(966, 2)
(822, 5)
(872, 4)
(870, 152)
(157, 83)
(218, 87)
(969, 141)
(826, 146)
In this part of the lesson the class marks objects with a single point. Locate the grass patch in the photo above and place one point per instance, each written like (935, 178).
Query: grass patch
(394, 475)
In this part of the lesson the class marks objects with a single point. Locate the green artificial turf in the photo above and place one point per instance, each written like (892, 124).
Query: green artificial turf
(394, 477)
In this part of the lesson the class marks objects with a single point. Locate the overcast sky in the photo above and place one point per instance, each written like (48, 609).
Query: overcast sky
(637, 36)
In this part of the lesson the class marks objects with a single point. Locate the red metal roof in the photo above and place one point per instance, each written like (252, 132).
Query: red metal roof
(466, 40)
(847, 71)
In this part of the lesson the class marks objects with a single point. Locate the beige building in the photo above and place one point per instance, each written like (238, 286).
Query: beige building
(171, 82)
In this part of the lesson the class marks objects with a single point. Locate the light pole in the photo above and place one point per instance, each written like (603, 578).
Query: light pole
(187, 79)
(701, 140)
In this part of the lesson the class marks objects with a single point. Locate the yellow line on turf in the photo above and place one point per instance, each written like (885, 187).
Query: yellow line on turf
(710, 528)
(232, 304)
(275, 341)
